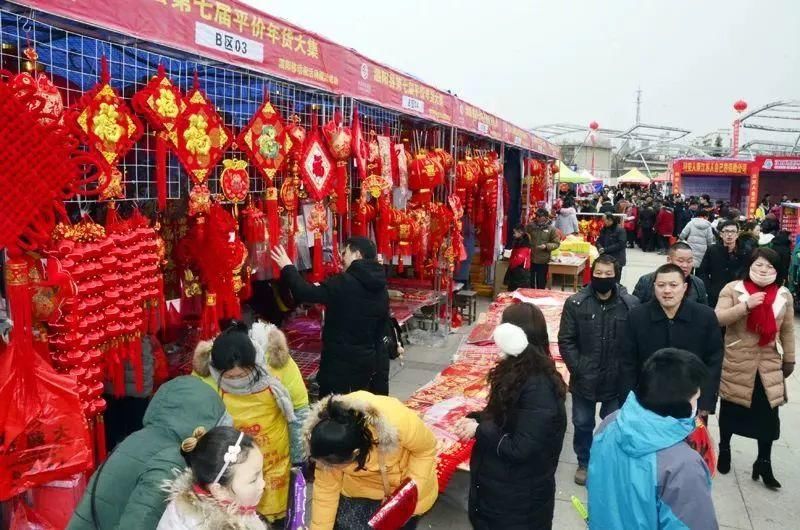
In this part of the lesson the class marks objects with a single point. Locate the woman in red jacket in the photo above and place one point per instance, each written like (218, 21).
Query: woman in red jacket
(631, 218)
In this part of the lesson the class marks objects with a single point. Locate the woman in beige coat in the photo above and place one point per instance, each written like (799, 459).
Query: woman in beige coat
(759, 355)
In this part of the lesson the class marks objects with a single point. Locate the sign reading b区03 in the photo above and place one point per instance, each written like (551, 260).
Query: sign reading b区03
(712, 167)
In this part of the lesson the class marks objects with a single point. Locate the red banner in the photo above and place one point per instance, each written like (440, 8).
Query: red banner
(234, 33)
(780, 164)
(711, 166)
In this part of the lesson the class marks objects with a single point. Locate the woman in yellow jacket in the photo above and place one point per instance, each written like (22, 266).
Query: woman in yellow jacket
(264, 392)
(365, 446)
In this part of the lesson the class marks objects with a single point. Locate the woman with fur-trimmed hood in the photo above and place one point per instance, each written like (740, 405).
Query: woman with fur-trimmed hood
(365, 446)
(264, 392)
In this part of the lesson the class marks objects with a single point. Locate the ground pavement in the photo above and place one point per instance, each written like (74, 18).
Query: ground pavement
(741, 504)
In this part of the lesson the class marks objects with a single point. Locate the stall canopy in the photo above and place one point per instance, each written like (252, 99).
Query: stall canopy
(566, 174)
(587, 173)
(634, 176)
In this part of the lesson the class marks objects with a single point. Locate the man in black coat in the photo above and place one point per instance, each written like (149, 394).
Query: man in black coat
(723, 262)
(670, 321)
(357, 309)
(647, 221)
(590, 335)
(679, 254)
(612, 241)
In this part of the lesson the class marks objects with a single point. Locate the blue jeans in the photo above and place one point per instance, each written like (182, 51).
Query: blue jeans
(583, 416)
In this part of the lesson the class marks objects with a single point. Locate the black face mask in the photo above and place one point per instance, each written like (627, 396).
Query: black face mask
(603, 285)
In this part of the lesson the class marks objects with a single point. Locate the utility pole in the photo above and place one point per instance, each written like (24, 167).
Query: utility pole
(638, 105)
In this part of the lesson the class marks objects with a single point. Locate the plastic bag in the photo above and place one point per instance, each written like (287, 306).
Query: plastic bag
(43, 434)
(700, 440)
(47, 507)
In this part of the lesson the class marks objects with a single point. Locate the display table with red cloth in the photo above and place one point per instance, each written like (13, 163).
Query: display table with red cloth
(461, 388)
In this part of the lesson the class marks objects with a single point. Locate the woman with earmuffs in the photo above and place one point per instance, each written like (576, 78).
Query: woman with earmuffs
(520, 433)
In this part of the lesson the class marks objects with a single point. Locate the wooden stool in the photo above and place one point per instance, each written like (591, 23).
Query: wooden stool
(467, 302)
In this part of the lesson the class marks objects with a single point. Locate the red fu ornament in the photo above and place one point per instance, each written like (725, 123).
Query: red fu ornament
(234, 180)
(108, 126)
(316, 165)
(202, 138)
(161, 103)
(266, 142)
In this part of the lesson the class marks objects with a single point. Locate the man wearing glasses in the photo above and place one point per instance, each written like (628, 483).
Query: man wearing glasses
(723, 262)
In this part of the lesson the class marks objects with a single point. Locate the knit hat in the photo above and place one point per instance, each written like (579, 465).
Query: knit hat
(511, 339)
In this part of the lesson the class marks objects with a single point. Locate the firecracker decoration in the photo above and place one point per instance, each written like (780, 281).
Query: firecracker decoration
(487, 233)
(359, 145)
(317, 224)
(363, 214)
(234, 180)
(201, 135)
(266, 141)
(339, 140)
(466, 183)
(456, 235)
(106, 123)
(161, 103)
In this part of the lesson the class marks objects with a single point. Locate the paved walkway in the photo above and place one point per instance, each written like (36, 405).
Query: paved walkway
(741, 504)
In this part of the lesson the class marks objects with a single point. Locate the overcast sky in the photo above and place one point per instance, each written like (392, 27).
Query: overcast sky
(535, 62)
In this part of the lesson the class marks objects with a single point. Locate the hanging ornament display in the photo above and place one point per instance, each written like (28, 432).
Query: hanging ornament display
(161, 103)
(316, 165)
(291, 201)
(363, 214)
(297, 134)
(202, 137)
(52, 104)
(407, 237)
(234, 180)
(273, 225)
(266, 141)
(317, 225)
(374, 164)
(339, 139)
(422, 178)
(359, 145)
(385, 153)
(106, 124)
(199, 200)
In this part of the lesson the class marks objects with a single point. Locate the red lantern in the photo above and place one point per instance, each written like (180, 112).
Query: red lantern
(594, 125)
(740, 106)
(555, 167)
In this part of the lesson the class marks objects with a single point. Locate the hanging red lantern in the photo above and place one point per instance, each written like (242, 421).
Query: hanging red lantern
(594, 125)
(555, 167)
(422, 177)
(339, 139)
(740, 106)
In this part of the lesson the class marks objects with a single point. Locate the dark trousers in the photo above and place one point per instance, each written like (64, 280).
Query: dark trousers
(663, 242)
(647, 239)
(583, 419)
(631, 238)
(338, 383)
(539, 276)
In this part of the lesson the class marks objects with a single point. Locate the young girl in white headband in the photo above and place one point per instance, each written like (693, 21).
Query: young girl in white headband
(221, 488)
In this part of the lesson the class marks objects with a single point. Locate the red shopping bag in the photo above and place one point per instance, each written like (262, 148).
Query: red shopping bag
(700, 440)
(43, 433)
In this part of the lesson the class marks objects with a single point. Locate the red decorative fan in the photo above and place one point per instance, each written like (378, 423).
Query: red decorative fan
(202, 137)
(106, 123)
(316, 165)
(266, 141)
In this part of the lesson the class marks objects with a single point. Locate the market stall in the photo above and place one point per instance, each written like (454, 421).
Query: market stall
(169, 178)
(778, 176)
(633, 177)
(728, 179)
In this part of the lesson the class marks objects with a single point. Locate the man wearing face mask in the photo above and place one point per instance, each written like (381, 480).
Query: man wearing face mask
(672, 321)
(642, 474)
(589, 338)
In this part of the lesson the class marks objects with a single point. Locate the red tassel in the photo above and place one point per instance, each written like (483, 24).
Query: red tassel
(135, 358)
(101, 449)
(292, 250)
(273, 225)
(318, 267)
(341, 187)
(209, 323)
(161, 170)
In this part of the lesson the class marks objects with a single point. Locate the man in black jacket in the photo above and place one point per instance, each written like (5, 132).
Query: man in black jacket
(612, 242)
(671, 321)
(723, 262)
(589, 338)
(357, 309)
(679, 254)
(647, 221)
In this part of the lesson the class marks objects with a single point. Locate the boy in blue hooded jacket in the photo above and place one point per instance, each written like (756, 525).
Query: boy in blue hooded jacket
(642, 473)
